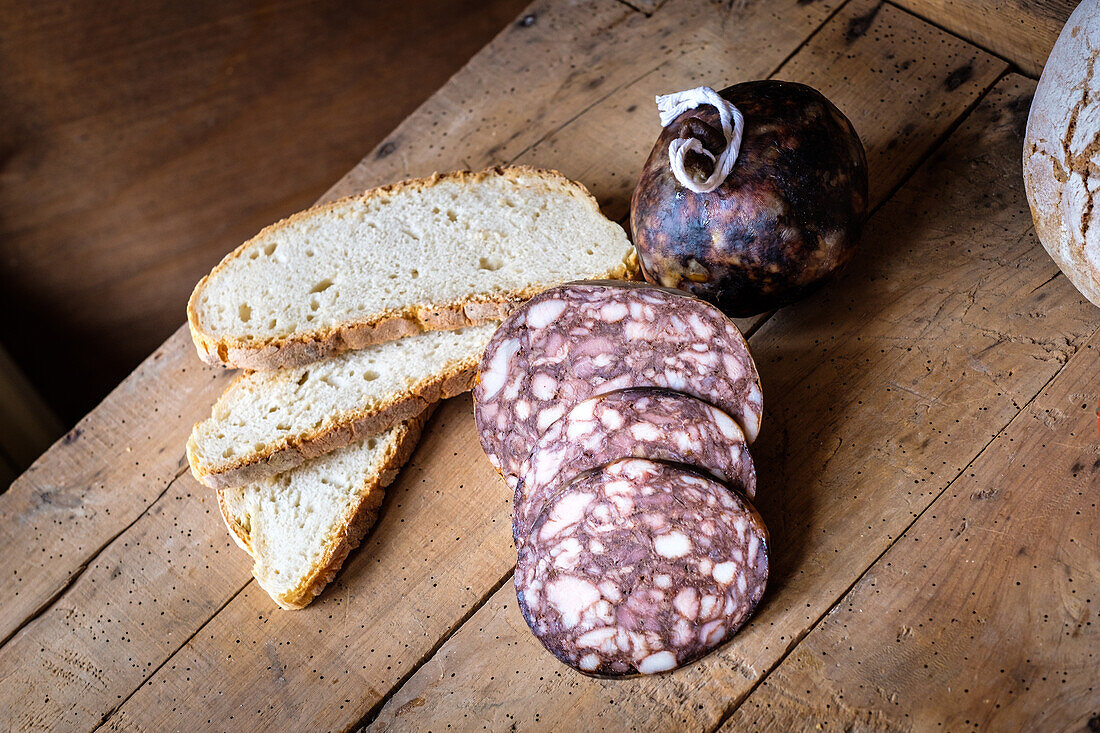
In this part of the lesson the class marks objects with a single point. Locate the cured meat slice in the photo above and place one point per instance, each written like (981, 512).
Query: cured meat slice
(641, 567)
(582, 339)
(631, 423)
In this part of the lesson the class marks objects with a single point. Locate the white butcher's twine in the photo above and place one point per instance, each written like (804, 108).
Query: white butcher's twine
(672, 106)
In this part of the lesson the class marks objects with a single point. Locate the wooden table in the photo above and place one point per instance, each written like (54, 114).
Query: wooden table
(928, 465)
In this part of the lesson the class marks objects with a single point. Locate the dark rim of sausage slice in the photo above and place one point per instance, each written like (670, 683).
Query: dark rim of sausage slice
(583, 339)
(638, 422)
(641, 567)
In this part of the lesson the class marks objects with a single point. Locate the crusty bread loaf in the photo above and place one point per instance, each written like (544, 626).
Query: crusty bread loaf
(300, 526)
(1060, 150)
(269, 422)
(437, 253)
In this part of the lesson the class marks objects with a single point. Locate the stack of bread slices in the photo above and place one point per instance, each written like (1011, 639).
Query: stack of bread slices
(351, 320)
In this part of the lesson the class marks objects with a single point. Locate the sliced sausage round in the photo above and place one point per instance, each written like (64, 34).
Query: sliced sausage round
(582, 339)
(641, 567)
(640, 422)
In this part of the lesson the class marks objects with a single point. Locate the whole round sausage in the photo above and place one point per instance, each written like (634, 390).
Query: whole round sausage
(786, 218)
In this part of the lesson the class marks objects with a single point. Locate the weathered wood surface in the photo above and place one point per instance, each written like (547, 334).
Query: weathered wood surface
(490, 123)
(100, 477)
(140, 141)
(167, 642)
(462, 563)
(560, 61)
(1022, 31)
(82, 476)
(1012, 546)
(881, 391)
(78, 498)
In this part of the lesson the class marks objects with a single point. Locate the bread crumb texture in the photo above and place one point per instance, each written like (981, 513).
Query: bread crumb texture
(262, 413)
(438, 243)
(299, 526)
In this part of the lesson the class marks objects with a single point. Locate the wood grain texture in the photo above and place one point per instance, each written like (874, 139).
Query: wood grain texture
(172, 391)
(81, 494)
(878, 394)
(169, 698)
(1022, 31)
(141, 141)
(481, 118)
(982, 615)
(88, 650)
(101, 476)
(147, 610)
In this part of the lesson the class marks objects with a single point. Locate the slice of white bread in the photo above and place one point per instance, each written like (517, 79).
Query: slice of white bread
(269, 422)
(300, 526)
(435, 253)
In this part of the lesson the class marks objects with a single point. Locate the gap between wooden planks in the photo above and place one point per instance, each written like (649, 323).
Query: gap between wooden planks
(1022, 31)
(973, 616)
(931, 617)
(171, 688)
(75, 507)
(646, 145)
(99, 478)
(915, 358)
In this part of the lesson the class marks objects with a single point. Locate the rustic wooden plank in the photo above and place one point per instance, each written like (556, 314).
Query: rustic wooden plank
(172, 426)
(1022, 31)
(878, 391)
(27, 424)
(481, 119)
(156, 584)
(101, 639)
(869, 58)
(81, 478)
(981, 615)
(646, 6)
(609, 158)
(100, 477)
(140, 141)
(459, 565)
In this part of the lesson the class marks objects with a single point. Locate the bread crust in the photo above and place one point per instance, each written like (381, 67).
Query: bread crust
(237, 531)
(349, 531)
(278, 353)
(1059, 147)
(291, 452)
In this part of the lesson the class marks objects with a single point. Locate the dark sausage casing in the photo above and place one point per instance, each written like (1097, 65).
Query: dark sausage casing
(787, 217)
